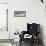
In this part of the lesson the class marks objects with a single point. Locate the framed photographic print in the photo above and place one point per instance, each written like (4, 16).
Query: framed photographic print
(19, 13)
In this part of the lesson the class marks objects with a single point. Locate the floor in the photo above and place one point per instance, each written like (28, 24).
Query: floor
(26, 44)
(23, 44)
(5, 44)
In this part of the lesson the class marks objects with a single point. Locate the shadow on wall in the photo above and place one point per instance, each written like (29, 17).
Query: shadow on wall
(41, 34)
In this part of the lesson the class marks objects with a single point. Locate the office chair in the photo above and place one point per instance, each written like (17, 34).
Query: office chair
(33, 30)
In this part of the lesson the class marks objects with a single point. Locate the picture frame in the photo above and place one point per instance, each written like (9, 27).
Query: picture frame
(19, 13)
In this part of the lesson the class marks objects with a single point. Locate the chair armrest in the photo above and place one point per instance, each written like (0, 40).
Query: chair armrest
(22, 35)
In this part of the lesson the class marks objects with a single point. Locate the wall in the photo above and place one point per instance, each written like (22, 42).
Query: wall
(3, 1)
(35, 12)
(45, 30)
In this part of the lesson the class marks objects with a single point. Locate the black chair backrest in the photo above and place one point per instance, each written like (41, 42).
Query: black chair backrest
(33, 28)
